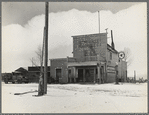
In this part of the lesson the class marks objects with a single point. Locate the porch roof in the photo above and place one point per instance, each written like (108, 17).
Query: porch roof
(83, 63)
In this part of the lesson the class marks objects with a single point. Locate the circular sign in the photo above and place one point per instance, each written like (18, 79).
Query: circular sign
(121, 55)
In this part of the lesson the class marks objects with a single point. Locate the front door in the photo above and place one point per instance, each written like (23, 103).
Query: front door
(80, 75)
(69, 76)
(58, 74)
(102, 74)
(89, 75)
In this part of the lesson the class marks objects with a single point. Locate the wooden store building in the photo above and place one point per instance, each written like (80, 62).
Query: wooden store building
(93, 61)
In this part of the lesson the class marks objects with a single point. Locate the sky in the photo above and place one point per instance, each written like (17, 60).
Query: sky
(23, 23)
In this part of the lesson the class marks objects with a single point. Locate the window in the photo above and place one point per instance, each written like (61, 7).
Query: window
(110, 55)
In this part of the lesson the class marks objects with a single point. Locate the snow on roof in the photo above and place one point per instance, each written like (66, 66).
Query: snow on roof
(89, 35)
(21, 69)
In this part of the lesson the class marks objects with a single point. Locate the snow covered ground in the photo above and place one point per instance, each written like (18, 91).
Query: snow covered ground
(75, 98)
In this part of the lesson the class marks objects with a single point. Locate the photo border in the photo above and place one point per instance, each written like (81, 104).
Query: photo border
(69, 1)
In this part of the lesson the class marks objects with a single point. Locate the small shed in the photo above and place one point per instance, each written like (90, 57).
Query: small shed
(20, 73)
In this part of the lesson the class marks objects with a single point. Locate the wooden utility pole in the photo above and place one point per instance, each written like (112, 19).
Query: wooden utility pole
(99, 20)
(46, 47)
(41, 82)
(42, 55)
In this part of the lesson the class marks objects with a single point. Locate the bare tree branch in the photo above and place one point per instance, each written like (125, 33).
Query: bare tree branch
(33, 62)
(128, 56)
(38, 60)
(39, 55)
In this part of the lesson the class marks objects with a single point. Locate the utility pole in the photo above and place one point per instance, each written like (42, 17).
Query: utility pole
(42, 55)
(46, 47)
(99, 20)
(41, 82)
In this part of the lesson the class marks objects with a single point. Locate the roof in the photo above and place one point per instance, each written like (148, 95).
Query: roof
(17, 72)
(89, 35)
(58, 59)
(21, 69)
(110, 48)
(93, 63)
(36, 68)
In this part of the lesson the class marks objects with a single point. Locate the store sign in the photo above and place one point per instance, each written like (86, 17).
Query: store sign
(121, 55)
(88, 43)
(111, 69)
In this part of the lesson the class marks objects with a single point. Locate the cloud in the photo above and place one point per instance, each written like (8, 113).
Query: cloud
(129, 30)
(24, 11)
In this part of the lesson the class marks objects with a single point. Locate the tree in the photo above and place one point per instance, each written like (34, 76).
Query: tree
(38, 60)
(33, 61)
(128, 56)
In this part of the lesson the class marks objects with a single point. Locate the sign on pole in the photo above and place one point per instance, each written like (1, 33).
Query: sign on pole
(121, 55)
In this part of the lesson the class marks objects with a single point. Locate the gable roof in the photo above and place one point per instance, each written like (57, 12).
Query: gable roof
(21, 69)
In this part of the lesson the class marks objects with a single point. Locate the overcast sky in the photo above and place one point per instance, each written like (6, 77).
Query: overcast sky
(23, 23)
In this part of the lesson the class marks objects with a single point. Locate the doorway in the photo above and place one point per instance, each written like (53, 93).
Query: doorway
(58, 74)
(80, 75)
(69, 76)
(102, 74)
(89, 75)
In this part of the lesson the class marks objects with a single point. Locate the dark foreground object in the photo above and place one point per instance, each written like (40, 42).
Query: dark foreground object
(25, 92)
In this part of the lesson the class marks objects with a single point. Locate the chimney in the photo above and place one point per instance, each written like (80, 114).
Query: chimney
(112, 43)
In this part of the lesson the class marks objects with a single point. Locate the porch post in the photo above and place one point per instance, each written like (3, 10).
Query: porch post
(74, 76)
(83, 75)
(67, 74)
(94, 75)
(98, 69)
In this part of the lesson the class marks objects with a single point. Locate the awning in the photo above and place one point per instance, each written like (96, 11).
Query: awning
(83, 63)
